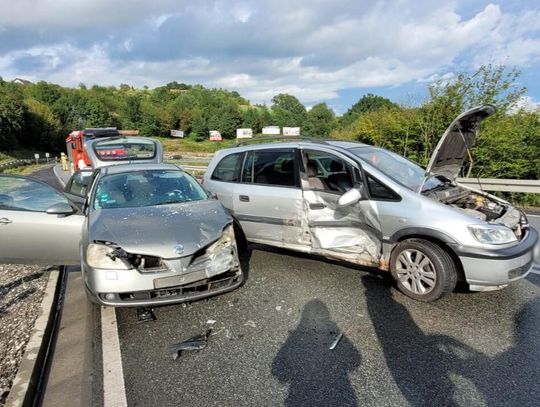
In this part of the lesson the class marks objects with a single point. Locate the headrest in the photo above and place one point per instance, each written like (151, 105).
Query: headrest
(336, 166)
(287, 166)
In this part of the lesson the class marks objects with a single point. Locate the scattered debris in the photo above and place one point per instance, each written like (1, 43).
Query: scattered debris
(278, 308)
(195, 343)
(251, 323)
(145, 314)
(334, 344)
(211, 321)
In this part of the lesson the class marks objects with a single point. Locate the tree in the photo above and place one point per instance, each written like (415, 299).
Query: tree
(288, 111)
(11, 118)
(320, 121)
(367, 103)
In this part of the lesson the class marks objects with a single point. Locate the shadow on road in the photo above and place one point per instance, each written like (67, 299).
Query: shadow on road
(316, 375)
(439, 370)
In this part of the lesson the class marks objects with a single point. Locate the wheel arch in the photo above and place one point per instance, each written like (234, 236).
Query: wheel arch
(439, 238)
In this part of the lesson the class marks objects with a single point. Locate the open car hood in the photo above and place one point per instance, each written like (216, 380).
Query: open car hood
(450, 154)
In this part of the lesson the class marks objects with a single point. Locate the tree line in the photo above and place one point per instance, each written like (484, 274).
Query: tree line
(39, 116)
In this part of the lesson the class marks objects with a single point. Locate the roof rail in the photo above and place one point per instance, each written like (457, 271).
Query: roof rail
(281, 138)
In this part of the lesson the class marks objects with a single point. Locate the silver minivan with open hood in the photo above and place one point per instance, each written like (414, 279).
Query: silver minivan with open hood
(369, 206)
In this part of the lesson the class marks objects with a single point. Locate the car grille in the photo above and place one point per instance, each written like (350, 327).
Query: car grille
(184, 292)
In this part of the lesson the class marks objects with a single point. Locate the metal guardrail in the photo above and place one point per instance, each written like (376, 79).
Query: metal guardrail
(485, 184)
(504, 185)
(23, 162)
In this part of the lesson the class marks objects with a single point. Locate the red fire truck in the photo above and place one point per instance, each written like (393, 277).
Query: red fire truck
(77, 140)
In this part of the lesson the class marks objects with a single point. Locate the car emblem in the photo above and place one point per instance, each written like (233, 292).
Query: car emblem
(179, 249)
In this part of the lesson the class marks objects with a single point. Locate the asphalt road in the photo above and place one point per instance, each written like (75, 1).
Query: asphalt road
(270, 343)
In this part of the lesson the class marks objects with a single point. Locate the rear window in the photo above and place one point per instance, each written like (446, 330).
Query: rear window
(125, 149)
(228, 168)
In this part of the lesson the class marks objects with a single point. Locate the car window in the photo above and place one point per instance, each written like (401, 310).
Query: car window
(270, 167)
(79, 183)
(125, 148)
(379, 191)
(228, 168)
(327, 172)
(146, 188)
(23, 194)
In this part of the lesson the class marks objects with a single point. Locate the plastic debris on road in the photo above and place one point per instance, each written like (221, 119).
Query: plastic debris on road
(195, 343)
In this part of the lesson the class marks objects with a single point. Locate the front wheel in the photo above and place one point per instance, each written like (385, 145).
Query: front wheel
(423, 270)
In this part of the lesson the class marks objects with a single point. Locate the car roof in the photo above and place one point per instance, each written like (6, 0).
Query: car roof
(122, 168)
(305, 142)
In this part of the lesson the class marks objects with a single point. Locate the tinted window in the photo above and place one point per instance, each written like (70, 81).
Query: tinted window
(125, 149)
(270, 167)
(228, 168)
(22, 194)
(327, 172)
(377, 190)
(146, 188)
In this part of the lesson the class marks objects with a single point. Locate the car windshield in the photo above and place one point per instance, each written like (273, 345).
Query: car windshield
(400, 169)
(146, 188)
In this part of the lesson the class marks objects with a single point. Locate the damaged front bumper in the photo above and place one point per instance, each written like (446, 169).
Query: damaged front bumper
(498, 267)
(214, 270)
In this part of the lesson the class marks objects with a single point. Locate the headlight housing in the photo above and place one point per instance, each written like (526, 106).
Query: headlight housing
(101, 256)
(492, 234)
(220, 256)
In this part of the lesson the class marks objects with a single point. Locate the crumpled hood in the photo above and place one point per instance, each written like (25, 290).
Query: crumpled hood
(451, 152)
(157, 230)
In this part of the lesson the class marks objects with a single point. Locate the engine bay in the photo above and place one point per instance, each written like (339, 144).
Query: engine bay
(479, 205)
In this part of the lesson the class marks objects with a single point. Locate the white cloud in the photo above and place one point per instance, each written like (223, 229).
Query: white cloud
(311, 48)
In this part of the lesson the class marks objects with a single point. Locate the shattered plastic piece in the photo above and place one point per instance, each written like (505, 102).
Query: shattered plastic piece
(334, 344)
(278, 308)
(195, 343)
(211, 321)
(251, 323)
(145, 314)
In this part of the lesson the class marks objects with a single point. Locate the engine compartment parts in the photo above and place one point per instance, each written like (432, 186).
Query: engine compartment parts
(195, 343)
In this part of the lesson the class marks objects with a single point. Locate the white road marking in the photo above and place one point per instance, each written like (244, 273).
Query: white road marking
(114, 391)
(534, 216)
(536, 269)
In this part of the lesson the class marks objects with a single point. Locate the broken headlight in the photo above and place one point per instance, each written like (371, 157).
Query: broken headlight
(220, 256)
(492, 234)
(102, 256)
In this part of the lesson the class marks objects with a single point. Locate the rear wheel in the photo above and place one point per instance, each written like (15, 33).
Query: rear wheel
(423, 270)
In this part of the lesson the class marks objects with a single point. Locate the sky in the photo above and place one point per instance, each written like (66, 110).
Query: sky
(331, 51)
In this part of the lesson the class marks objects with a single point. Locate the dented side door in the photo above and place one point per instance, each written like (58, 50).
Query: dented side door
(351, 233)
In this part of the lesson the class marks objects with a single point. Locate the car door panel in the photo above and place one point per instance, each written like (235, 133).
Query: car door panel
(268, 202)
(29, 235)
(351, 233)
(40, 238)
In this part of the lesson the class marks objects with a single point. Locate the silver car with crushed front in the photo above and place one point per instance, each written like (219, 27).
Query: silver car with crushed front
(369, 206)
(147, 234)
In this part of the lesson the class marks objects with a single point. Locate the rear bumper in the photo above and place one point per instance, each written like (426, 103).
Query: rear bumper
(498, 267)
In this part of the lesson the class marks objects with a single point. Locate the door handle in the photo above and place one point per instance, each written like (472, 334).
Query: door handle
(244, 198)
(5, 221)
(317, 206)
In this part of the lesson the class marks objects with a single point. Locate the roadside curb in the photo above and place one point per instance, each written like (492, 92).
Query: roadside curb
(56, 170)
(26, 383)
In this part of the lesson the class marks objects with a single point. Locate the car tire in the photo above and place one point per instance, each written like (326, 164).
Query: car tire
(423, 270)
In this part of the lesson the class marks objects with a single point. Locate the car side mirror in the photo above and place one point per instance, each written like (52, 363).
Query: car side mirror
(350, 197)
(60, 208)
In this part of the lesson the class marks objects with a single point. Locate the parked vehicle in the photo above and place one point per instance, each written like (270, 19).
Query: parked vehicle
(97, 147)
(147, 234)
(369, 206)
